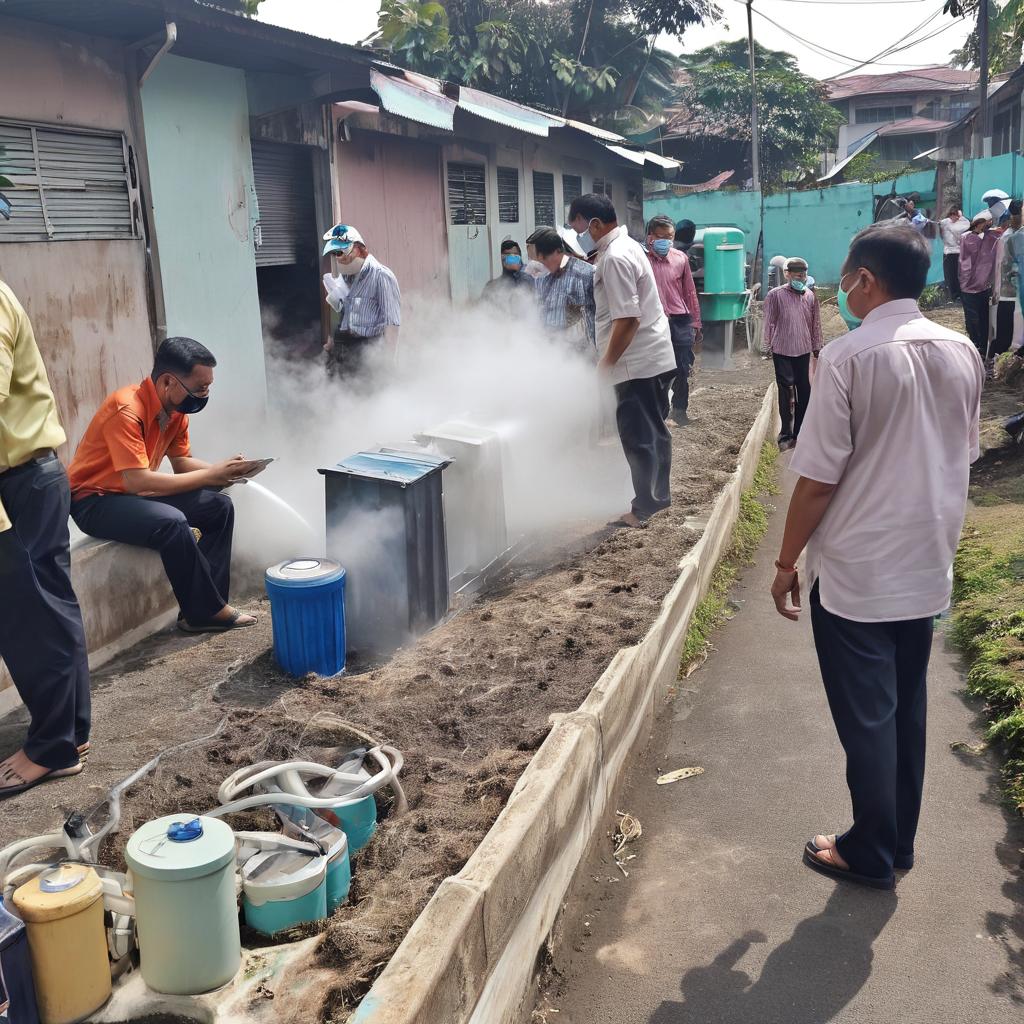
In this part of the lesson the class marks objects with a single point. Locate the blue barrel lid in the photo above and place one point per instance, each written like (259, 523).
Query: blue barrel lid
(156, 849)
(310, 571)
(397, 468)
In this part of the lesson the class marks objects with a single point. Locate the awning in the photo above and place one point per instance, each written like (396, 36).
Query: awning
(664, 162)
(414, 97)
(598, 133)
(502, 111)
(634, 156)
(928, 152)
(861, 145)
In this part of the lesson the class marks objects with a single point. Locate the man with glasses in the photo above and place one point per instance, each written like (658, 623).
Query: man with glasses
(118, 492)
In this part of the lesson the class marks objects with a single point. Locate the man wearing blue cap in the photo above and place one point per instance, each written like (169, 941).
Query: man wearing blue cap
(367, 296)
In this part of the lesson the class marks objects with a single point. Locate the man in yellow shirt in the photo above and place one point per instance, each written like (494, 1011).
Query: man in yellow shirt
(42, 639)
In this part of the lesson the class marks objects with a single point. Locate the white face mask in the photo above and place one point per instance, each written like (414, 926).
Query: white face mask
(350, 269)
(586, 240)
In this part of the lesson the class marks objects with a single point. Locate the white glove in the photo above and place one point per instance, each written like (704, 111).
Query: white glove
(337, 291)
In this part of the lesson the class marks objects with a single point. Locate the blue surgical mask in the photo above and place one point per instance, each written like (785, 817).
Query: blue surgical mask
(586, 240)
(662, 246)
(512, 262)
(797, 285)
(851, 318)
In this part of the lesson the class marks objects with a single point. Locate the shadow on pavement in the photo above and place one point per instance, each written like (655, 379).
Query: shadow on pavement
(807, 979)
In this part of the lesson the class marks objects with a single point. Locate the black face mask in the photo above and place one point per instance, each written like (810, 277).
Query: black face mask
(191, 403)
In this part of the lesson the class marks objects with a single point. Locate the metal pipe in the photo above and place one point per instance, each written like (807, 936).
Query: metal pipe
(170, 38)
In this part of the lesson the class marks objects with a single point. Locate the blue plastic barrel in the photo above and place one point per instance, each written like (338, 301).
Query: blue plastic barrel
(307, 608)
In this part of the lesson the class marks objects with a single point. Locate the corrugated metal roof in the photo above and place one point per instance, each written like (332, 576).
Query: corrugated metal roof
(914, 126)
(858, 147)
(628, 154)
(933, 79)
(591, 129)
(506, 112)
(414, 97)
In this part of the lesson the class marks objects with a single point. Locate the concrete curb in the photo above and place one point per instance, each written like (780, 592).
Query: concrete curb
(471, 955)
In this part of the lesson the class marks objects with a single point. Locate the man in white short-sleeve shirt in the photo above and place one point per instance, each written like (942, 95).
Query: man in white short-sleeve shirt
(884, 463)
(635, 348)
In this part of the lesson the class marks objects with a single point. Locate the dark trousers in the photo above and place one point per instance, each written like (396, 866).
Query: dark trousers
(41, 635)
(1004, 327)
(200, 573)
(875, 676)
(792, 375)
(646, 442)
(346, 359)
(951, 273)
(681, 326)
(976, 317)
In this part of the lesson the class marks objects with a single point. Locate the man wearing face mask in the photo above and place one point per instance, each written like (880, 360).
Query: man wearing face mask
(635, 349)
(792, 336)
(678, 296)
(883, 471)
(367, 297)
(566, 292)
(118, 492)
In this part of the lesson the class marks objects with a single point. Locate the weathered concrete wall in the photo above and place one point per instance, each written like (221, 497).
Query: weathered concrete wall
(204, 200)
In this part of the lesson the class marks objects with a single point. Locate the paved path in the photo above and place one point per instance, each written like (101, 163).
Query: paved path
(719, 923)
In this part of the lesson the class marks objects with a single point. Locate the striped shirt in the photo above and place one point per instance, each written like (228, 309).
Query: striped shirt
(792, 322)
(675, 285)
(374, 301)
(567, 297)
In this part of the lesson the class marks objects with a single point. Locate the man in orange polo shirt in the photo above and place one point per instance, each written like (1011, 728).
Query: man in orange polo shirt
(118, 492)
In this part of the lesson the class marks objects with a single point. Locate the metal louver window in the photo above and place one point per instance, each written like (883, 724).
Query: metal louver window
(543, 198)
(467, 193)
(603, 187)
(284, 190)
(508, 195)
(572, 188)
(69, 184)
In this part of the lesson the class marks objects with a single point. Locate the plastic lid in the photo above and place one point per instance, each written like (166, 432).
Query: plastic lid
(306, 572)
(58, 893)
(282, 875)
(162, 851)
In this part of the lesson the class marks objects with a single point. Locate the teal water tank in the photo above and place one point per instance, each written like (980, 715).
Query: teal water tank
(724, 295)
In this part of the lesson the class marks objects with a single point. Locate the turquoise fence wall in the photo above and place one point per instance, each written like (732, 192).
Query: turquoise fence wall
(817, 225)
(1005, 172)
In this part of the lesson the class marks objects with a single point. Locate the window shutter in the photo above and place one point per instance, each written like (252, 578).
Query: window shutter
(508, 195)
(543, 198)
(467, 193)
(603, 187)
(69, 184)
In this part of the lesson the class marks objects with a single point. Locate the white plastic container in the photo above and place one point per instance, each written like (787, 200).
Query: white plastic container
(183, 869)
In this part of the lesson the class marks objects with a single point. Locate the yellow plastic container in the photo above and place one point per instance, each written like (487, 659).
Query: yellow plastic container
(63, 911)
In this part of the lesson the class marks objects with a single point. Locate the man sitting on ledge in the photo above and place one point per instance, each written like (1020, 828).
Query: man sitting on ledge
(119, 494)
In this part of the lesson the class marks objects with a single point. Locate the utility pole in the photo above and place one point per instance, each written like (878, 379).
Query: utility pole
(755, 156)
(983, 97)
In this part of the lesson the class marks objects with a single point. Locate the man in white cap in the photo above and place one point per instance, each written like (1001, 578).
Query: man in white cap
(978, 248)
(367, 297)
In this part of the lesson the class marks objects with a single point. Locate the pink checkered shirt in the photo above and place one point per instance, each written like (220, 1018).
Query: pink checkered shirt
(792, 322)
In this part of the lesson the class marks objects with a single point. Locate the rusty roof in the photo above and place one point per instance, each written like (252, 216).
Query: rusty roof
(931, 79)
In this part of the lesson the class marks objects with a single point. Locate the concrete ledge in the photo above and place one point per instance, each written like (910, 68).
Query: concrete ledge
(471, 956)
(124, 596)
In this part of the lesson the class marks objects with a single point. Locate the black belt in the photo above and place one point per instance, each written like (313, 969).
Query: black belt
(23, 467)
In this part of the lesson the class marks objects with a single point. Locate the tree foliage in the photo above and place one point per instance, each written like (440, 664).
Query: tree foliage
(1005, 34)
(588, 58)
(796, 121)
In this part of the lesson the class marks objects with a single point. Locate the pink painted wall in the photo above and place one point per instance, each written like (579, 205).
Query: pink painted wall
(390, 188)
(87, 300)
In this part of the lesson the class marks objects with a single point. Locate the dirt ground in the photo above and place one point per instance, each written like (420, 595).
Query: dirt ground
(467, 704)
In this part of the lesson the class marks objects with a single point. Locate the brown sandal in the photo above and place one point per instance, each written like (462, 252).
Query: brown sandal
(23, 785)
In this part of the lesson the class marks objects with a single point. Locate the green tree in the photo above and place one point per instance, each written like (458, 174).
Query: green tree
(797, 123)
(1005, 34)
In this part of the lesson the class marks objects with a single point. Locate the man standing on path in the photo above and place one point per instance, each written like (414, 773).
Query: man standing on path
(635, 349)
(977, 268)
(892, 429)
(1005, 285)
(951, 228)
(792, 334)
(679, 300)
(41, 635)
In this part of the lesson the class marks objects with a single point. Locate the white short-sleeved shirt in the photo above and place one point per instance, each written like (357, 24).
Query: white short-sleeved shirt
(624, 287)
(893, 421)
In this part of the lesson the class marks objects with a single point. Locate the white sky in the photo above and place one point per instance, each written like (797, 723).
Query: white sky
(857, 29)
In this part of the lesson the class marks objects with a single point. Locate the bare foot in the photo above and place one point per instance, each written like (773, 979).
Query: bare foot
(229, 614)
(628, 519)
(825, 842)
(671, 423)
(18, 769)
(830, 856)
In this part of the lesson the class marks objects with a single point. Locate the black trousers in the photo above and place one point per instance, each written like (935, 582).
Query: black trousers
(199, 573)
(646, 442)
(346, 359)
(792, 375)
(1004, 327)
(875, 676)
(951, 273)
(41, 635)
(976, 317)
(681, 326)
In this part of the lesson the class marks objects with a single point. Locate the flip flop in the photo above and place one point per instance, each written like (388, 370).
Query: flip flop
(841, 875)
(83, 751)
(24, 784)
(899, 863)
(620, 523)
(217, 627)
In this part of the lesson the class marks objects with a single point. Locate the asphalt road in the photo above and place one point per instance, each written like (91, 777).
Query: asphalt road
(720, 923)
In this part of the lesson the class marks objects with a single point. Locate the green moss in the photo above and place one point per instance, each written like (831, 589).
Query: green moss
(988, 624)
(750, 527)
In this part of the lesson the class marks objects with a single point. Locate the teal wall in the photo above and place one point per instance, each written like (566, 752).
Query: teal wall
(197, 137)
(817, 225)
(1005, 172)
